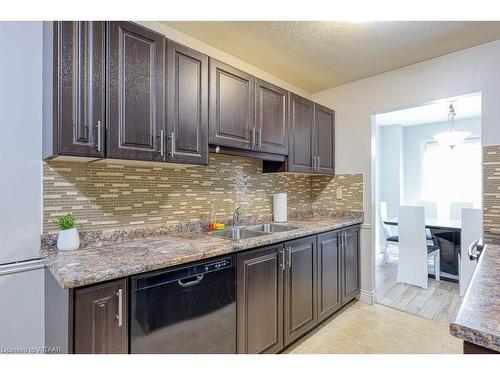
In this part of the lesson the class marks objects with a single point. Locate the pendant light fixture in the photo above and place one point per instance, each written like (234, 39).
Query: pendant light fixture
(452, 137)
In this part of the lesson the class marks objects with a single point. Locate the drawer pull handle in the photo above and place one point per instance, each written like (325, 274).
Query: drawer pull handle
(119, 317)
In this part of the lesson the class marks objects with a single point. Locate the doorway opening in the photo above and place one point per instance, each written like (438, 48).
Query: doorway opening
(439, 174)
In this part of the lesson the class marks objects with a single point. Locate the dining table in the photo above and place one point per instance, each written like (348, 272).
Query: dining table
(446, 234)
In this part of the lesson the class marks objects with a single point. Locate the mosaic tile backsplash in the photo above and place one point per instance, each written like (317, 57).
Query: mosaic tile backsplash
(491, 189)
(110, 196)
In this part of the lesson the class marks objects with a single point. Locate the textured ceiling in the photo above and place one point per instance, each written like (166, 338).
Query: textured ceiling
(318, 55)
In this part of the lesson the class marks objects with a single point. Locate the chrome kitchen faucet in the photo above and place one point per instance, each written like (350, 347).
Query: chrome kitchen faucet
(237, 216)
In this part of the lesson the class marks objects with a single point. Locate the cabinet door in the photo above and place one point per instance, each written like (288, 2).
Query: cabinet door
(350, 265)
(301, 131)
(232, 107)
(324, 129)
(329, 262)
(260, 300)
(80, 102)
(100, 318)
(271, 112)
(136, 86)
(187, 109)
(300, 287)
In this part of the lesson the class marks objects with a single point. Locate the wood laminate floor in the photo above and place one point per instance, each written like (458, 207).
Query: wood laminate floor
(440, 302)
(377, 329)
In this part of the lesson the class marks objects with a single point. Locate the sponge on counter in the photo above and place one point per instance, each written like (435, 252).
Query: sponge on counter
(219, 226)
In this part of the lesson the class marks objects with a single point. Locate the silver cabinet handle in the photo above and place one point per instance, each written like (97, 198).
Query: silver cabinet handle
(162, 142)
(289, 257)
(252, 133)
(317, 163)
(473, 256)
(172, 144)
(260, 138)
(99, 140)
(119, 317)
(282, 253)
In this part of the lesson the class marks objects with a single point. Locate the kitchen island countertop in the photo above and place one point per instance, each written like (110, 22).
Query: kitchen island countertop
(478, 319)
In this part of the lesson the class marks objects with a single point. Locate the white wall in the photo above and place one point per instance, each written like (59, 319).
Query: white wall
(391, 171)
(21, 286)
(472, 70)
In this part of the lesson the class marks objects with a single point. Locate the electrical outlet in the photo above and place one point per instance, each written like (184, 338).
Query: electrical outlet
(339, 193)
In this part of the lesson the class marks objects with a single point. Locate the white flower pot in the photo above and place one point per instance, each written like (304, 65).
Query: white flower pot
(68, 239)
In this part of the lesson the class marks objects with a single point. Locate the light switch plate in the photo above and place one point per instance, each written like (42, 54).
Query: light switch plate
(339, 193)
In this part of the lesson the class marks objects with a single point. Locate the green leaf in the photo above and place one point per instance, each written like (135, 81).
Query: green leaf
(65, 222)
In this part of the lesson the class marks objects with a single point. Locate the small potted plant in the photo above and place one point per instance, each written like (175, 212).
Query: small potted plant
(68, 238)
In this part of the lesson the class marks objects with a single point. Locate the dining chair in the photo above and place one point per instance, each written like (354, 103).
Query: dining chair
(472, 230)
(414, 251)
(430, 208)
(456, 209)
(389, 237)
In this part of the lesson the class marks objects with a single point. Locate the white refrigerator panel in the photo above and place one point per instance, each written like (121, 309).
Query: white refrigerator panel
(21, 140)
(22, 314)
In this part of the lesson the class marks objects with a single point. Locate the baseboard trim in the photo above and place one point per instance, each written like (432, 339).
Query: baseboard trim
(367, 297)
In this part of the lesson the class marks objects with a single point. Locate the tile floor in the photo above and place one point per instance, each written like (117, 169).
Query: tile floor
(376, 329)
(440, 302)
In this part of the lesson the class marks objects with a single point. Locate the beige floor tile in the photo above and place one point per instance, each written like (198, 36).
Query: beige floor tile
(364, 329)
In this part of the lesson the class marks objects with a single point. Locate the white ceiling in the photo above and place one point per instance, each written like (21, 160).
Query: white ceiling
(319, 55)
(465, 107)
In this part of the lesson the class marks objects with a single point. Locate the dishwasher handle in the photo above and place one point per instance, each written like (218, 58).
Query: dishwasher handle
(190, 281)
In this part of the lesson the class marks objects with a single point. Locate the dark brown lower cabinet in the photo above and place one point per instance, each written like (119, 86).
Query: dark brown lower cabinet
(283, 291)
(300, 285)
(286, 290)
(350, 264)
(470, 348)
(260, 300)
(329, 271)
(100, 319)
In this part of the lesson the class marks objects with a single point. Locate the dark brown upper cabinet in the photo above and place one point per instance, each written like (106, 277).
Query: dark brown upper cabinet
(301, 135)
(300, 287)
(324, 134)
(101, 321)
(350, 264)
(232, 107)
(311, 139)
(329, 271)
(260, 300)
(271, 118)
(74, 93)
(187, 108)
(135, 92)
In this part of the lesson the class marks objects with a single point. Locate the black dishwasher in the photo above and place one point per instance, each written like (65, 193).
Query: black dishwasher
(189, 309)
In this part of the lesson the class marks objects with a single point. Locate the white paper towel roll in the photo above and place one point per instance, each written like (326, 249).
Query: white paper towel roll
(280, 207)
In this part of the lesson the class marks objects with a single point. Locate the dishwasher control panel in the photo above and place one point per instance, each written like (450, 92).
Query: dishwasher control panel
(217, 265)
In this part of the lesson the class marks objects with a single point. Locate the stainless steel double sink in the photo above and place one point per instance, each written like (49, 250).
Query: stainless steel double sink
(251, 231)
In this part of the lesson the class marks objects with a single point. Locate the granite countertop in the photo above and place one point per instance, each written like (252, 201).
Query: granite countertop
(100, 263)
(478, 319)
